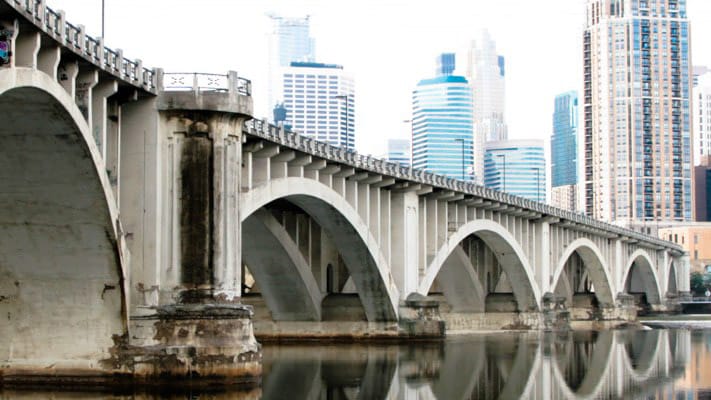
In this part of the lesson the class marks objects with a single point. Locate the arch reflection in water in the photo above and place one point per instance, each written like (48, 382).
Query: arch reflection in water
(530, 365)
(578, 365)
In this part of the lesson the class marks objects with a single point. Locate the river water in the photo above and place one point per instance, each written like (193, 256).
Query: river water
(651, 364)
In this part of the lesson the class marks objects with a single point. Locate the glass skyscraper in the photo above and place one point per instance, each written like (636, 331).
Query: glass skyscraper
(637, 135)
(486, 72)
(442, 122)
(320, 102)
(516, 167)
(564, 151)
(290, 40)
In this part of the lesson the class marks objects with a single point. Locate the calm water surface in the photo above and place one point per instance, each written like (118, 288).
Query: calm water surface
(654, 364)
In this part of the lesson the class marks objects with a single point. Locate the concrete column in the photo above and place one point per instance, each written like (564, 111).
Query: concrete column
(227, 241)
(618, 267)
(542, 263)
(48, 60)
(141, 207)
(405, 245)
(84, 84)
(99, 95)
(683, 274)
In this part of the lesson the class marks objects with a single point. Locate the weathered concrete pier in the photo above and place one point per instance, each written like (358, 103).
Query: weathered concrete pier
(150, 229)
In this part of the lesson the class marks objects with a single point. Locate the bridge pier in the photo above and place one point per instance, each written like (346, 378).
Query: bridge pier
(187, 321)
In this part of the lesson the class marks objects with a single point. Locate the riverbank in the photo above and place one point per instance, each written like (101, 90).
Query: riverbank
(681, 321)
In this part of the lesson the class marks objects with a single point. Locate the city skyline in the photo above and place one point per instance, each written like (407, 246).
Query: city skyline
(423, 31)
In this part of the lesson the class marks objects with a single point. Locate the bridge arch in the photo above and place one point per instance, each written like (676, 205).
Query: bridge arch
(647, 274)
(62, 276)
(358, 247)
(509, 252)
(596, 266)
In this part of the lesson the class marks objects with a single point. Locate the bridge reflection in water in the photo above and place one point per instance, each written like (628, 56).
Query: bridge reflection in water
(532, 365)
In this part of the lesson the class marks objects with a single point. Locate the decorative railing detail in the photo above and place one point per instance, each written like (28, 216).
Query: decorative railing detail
(340, 155)
(202, 82)
(73, 37)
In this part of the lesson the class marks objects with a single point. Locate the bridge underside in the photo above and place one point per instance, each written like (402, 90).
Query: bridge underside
(61, 289)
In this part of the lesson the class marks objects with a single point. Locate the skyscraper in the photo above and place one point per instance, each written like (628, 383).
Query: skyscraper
(320, 102)
(564, 151)
(486, 72)
(637, 134)
(516, 167)
(702, 117)
(442, 139)
(290, 40)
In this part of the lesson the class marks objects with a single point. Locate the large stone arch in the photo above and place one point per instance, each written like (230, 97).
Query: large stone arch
(596, 266)
(648, 273)
(508, 251)
(359, 249)
(62, 261)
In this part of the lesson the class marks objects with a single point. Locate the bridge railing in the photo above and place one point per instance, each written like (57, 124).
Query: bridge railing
(205, 82)
(341, 155)
(91, 49)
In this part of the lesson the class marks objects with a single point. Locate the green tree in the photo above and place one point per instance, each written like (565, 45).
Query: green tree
(698, 284)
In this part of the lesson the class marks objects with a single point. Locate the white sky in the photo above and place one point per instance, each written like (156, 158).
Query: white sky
(389, 45)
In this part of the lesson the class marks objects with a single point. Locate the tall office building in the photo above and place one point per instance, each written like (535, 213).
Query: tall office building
(290, 40)
(399, 151)
(442, 139)
(486, 72)
(564, 152)
(637, 127)
(702, 117)
(516, 167)
(320, 102)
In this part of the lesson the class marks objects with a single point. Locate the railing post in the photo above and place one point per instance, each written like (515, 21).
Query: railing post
(62, 27)
(81, 39)
(196, 87)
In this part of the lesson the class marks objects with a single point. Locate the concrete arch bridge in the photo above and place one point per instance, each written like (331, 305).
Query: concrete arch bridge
(139, 211)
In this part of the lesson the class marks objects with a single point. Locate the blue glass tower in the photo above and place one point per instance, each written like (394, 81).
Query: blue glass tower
(564, 159)
(442, 129)
(516, 167)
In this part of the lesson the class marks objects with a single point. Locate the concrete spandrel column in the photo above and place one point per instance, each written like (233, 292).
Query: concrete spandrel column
(542, 265)
(405, 242)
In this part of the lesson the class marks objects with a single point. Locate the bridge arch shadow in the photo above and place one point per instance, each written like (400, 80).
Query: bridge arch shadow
(586, 252)
(62, 273)
(458, 279)
(367, 267)
(641, 280)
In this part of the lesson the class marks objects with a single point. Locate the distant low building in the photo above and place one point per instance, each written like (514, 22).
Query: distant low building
(694, 237)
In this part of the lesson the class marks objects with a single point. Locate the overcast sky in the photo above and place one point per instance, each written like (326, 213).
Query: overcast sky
(389, 45)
